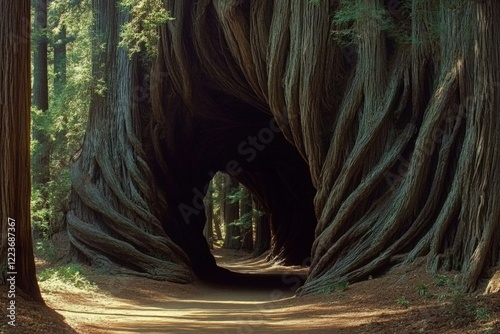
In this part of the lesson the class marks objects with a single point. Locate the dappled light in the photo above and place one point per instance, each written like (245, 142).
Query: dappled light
(264, 166)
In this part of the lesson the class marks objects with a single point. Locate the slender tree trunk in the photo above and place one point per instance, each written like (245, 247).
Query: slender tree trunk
(218, 184)
(15, 185)
(60, 61)
(246, 209)
(231, 214)
(262, 230)
(40, 74)
(41, 156)
(208, 231)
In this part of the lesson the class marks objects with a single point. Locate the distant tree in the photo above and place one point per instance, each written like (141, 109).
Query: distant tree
(219, 211)
(15, 180)
(246, 219)
(231, 214)
(209, 212)
(64, 121)
(41, 156)
(60, 59)
(262, 229)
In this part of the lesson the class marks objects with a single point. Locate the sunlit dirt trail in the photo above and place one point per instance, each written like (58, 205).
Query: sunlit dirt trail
(134, 305)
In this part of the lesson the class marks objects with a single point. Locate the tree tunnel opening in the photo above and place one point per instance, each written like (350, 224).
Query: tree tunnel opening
(246, 144)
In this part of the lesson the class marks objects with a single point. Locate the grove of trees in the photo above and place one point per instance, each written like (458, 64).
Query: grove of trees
(365, 132)
(367, 147)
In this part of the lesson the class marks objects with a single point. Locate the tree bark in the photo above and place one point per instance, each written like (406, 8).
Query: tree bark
(112, 221)
(262, 231)
(246, 226)
(41, 156)
(40, 74)
(15, 181)
(208, 231)
(399, 141)
(361, 159)
(218, 184)
(232, 238)
(60, 61)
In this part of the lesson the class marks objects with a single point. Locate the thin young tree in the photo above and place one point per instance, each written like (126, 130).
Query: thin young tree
(262, 230)
(208, 231)
(231, 214)
(246, 220)
(219, 218)
(41, 156)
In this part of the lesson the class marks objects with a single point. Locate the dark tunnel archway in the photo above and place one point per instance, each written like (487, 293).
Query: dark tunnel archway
(245, 142)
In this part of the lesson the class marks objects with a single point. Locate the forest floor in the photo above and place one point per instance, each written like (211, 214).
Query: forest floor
(405, 299)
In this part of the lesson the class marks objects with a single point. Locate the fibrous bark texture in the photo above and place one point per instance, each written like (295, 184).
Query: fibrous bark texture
(231, 214)
(15, 181)
(395, 140)
(363, 153)
(111, 221)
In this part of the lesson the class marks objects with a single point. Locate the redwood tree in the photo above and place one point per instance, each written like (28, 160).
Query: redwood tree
(41, 156)
(368, 149)
(15, 181)
(262, 230)
(231, 214)
(111, 221)
(246, 215)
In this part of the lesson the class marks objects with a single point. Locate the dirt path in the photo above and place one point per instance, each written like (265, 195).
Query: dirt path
(390, 304)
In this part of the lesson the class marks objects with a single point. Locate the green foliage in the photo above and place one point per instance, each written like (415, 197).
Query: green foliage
(441, 280)
(65, 121)
(465, 310)
(338, 286)
(452, 283)
(482, 314)
(351, 13)
(46, 250)
(141, 32)
(245, 220)
(65, 277)
(403, 302)
(422, 291)
(237, 194)
(462, 310)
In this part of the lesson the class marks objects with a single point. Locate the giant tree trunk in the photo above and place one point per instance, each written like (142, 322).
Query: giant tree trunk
(396, 140)
(363, 155)
(112, 222)
(15, 181)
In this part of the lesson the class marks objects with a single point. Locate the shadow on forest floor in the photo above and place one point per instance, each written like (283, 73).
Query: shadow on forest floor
(395, 302)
